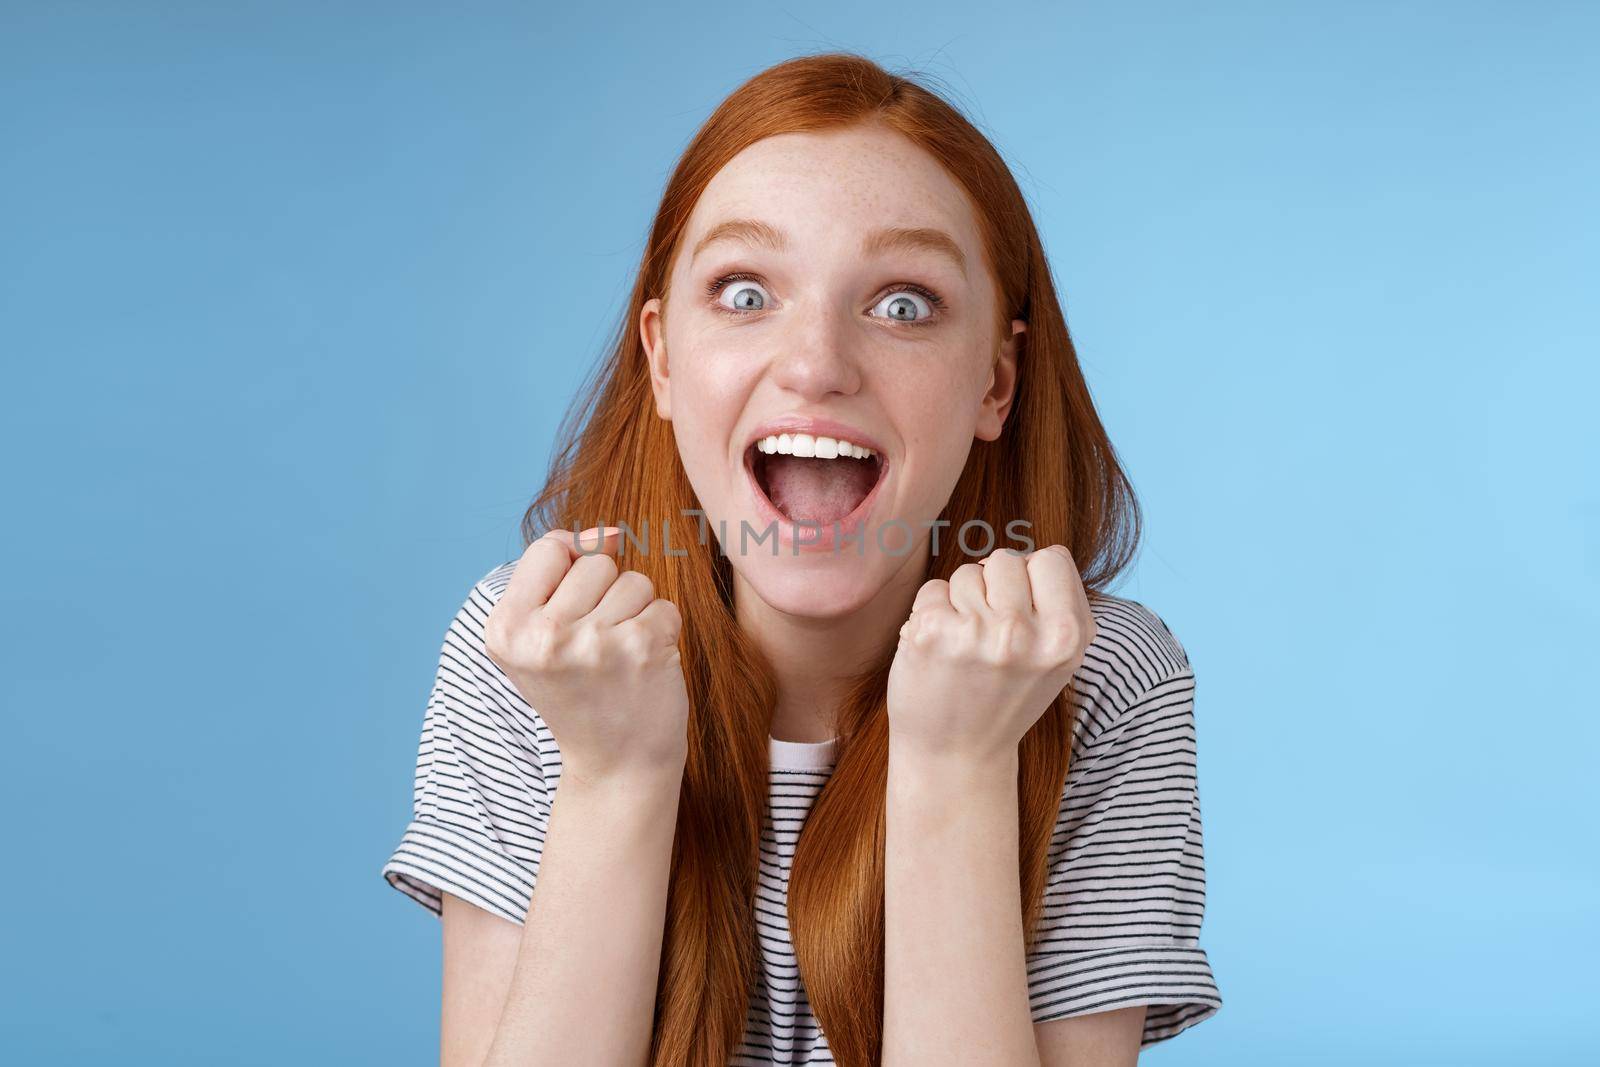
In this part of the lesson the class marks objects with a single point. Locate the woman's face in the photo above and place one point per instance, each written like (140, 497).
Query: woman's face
(862, 306)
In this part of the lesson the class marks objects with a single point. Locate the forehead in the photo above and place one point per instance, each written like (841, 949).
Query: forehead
(825, 189)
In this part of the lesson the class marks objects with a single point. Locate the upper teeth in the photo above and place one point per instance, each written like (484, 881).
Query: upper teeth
(804, 444)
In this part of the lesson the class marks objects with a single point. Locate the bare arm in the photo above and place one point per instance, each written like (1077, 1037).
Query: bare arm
(955, 987)
(981, 656)
(1098, 1039)
(576, 983)
(955, 978)
(596, 652)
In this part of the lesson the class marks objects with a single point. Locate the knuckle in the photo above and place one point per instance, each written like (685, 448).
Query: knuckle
(494, 635)
(643, 581)
(599, 563)
(1062, 640)
(548, 545)
(961, 634)
(540, 643)
(585, 651)
(1011, 635)
(636, 646)
(925, 629)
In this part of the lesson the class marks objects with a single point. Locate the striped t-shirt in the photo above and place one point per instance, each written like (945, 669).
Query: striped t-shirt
(1126, 888)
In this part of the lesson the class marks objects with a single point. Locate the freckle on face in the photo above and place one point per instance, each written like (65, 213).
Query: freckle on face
(917, 394)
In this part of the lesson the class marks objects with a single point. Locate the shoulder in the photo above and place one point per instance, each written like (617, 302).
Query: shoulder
(488, 703)
(494, 583)
(480, 599)
(1134, 653)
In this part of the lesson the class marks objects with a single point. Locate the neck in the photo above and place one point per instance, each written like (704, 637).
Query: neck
(814, 657)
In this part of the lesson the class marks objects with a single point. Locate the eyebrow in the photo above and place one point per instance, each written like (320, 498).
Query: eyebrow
(876, 242)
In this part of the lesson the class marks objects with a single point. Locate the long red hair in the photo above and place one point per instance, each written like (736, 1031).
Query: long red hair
(618, 462)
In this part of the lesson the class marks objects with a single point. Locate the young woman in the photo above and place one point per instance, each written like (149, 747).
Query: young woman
(833, 749)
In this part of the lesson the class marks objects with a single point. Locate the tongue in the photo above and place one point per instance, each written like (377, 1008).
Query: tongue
(817, 490)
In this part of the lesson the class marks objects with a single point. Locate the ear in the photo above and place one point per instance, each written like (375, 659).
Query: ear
(652, 334)
(996, 403)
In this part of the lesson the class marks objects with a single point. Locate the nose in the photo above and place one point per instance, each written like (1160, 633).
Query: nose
(816, 358)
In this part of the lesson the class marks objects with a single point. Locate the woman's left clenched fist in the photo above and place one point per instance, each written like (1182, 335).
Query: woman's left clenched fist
(984, 654)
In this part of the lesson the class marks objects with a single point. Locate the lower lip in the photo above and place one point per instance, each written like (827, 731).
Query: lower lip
(790, 532)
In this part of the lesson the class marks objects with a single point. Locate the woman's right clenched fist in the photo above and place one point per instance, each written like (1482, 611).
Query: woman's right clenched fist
(595, 652)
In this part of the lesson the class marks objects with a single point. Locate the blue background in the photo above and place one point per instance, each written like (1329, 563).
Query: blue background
(292, 296)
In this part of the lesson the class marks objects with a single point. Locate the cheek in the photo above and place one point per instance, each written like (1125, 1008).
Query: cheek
(936, 418)
(710, 395)
(704, 358)
(709, 392)
(932, 409)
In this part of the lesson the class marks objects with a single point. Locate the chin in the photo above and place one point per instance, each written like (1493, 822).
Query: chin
(821, 586)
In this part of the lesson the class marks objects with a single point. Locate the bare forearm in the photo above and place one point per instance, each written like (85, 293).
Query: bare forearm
(584, 987)
(955, 981)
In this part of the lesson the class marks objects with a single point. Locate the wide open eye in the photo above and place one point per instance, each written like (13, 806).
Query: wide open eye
(908, 304)
(744, 293)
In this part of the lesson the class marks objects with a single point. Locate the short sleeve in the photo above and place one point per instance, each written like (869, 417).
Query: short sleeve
(480, 800)
(1125, 891)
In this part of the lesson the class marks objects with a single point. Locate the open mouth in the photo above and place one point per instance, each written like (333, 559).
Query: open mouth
(813, 489)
